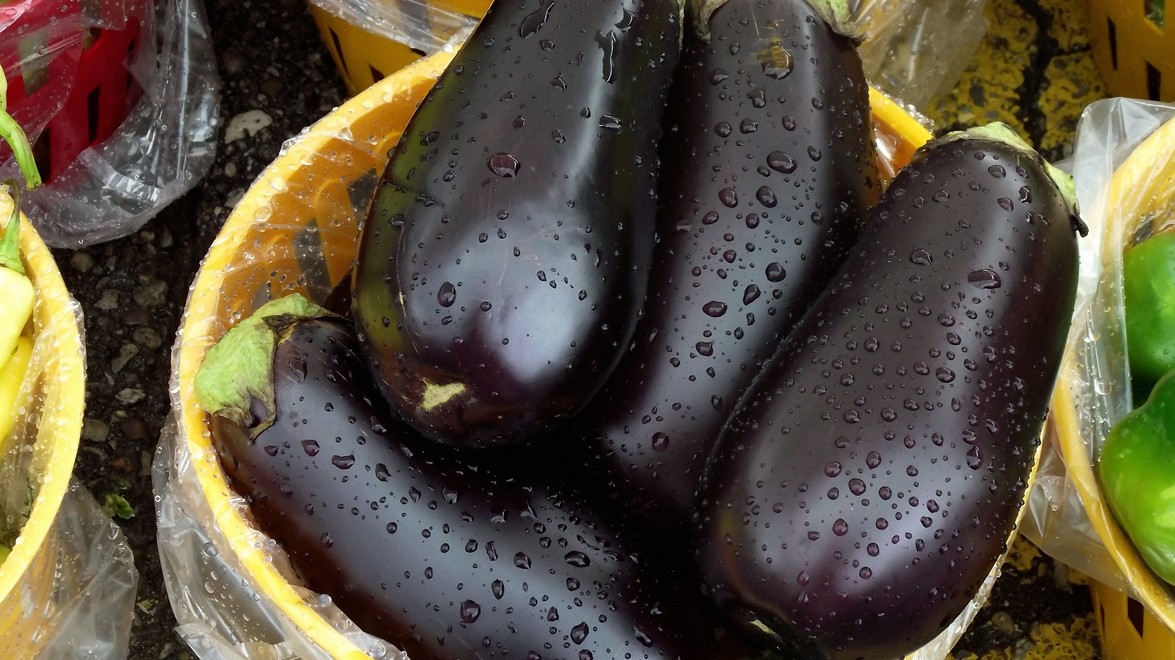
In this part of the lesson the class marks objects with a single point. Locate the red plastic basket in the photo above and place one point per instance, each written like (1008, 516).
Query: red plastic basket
(72, 82)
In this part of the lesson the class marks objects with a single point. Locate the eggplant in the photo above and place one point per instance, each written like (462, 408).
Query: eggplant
(506, 252)
(769, 171)
(871, 476)
(440, 555)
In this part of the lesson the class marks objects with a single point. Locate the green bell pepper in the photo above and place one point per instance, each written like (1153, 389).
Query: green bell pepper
(1137, 472)
(1148, 290)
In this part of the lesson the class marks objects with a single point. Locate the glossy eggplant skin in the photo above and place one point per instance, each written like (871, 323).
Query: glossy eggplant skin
(870, 478)
(506, 254)
(769, 170)
(442, 557)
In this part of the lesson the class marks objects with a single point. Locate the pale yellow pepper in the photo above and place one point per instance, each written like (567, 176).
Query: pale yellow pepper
(11, 376)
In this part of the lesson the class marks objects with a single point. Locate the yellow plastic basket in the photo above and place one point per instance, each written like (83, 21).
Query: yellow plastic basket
(50, 429)
(1134, 50)
(296, 230)
(364, 57)
(1139, 626)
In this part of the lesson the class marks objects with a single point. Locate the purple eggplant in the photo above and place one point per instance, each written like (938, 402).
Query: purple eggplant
(769, 169)
(506, 253)
(443, 556)
(869, 479)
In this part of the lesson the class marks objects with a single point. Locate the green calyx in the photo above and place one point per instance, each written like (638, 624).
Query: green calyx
(15, 136)
(1001, 132)
(236, 379)
(10, 242)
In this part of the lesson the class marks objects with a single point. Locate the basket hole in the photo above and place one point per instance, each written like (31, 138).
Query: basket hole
(1155, 11)
(376, 74)
(92, 111)
(1134, 612)
(1153, 81)
(1113, 30)
(41, 152)
(338, 44)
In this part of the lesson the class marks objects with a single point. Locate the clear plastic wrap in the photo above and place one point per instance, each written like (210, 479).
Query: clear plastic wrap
(68, 587)
(1124, 168)
(915, 50)
(163, 146)
(421, 25)
(231, 588)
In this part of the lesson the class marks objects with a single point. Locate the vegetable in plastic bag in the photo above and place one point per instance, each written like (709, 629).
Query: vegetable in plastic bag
(160, 150)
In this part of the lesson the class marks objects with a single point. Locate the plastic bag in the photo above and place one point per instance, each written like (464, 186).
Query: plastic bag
(231, 587)
(915, 50)
(1124, 167)
(221, 610)
(68, 587)
(164, 143)
(421, 25)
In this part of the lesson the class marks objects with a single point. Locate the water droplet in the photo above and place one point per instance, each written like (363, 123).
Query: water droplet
(577, 559)
(498, 588)
(781, 162)
(535, 20)
(984, 278)
(327, 541)
(814, 153)
(579, 633)
(1005, 203)
(997, 171)
(660, 441)
(766, 197)
(873, 459)
(608, 44)
(758, 97)
(723, 129)
(921, 257)
(392, 527)
(271, 450)
(521, 560)
(832, 469)
(310, 447)
(718, 75)
(470, 610)
(775, 272)
(714, 308)
(728, 197)
(503, 164)
(610, 123)
(974, 458)
(705, 348)
(856, 486)
(840, 527)
(447, 294)
(944, 375)
(751, 294)
(343, 462)
(558, 137)
(777, 61)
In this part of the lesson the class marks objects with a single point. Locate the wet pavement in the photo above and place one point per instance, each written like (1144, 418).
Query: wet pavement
(1033, 70)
